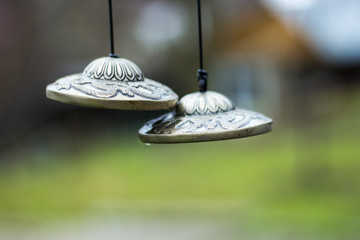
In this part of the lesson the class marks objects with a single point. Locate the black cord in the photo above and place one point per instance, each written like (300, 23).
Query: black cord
(202, 74)
(112, 51)
(200, 35)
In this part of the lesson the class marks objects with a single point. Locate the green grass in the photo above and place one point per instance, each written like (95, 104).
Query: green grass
(270, 181)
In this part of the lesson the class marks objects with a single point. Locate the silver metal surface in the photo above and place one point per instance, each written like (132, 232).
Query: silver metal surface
(204, 116)
(113, 83)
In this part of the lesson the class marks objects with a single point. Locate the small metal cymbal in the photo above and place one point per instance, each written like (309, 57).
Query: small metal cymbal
(113, 83)
(204, 116)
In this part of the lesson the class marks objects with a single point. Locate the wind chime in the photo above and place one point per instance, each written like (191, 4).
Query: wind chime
(116, 83)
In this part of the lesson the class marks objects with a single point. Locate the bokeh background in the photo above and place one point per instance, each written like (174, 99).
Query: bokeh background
(69, 172)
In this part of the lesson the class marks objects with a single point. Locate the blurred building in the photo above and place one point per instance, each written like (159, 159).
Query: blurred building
(269, 55)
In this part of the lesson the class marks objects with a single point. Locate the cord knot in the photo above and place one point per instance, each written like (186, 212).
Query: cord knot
(202, 79)
(112, 55)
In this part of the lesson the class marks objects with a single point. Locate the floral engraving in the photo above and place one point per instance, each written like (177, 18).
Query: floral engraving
(108, 68)
(109, 88)
(232, 120)
(202, 103)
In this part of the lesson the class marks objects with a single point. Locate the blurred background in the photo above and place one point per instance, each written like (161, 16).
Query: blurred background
(69, 172)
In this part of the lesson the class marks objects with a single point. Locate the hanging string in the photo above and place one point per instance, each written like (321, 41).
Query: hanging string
(202, 74)
(112, 51)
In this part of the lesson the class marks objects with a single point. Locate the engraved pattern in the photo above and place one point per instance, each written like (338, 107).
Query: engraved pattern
(108, 68)
(202, 103)
(109, 88)
(232, 120)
